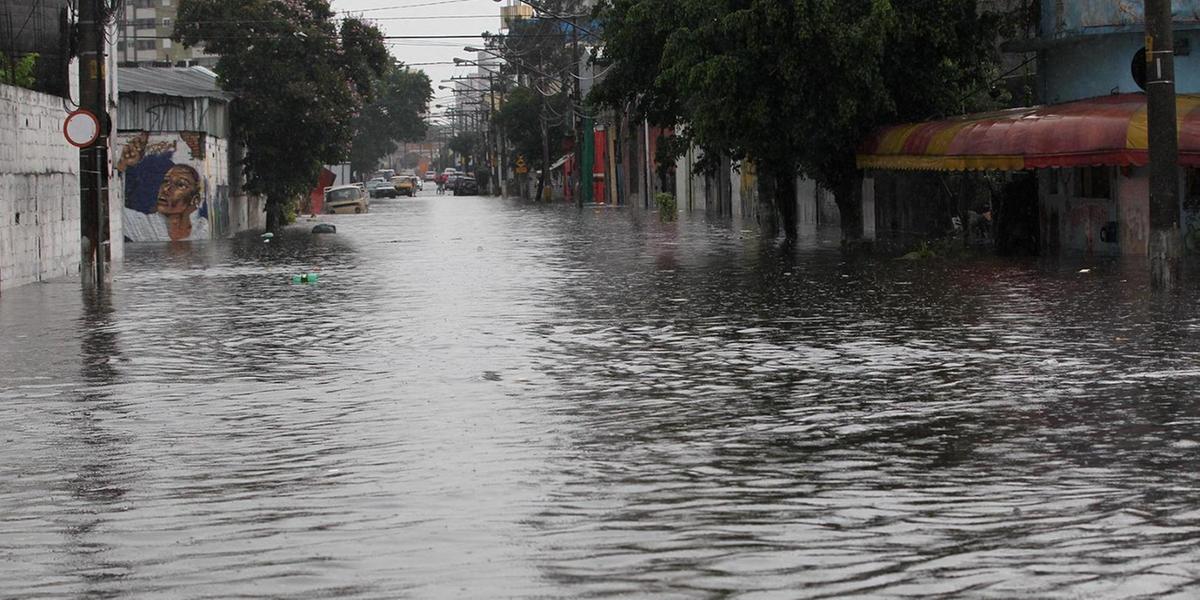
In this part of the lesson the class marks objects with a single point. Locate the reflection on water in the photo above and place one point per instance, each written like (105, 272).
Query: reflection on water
(486, 399)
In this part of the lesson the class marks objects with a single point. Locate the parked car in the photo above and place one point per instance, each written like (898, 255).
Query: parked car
(342, 199)
(465, 185)
(404, 185)
(380, 188)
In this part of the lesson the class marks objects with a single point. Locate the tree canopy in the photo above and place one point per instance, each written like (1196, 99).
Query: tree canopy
(527, 122)
(394, 115)
(794, 86)
(300, 78)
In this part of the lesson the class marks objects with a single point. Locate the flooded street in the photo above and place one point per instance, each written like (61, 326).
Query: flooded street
(483, 399)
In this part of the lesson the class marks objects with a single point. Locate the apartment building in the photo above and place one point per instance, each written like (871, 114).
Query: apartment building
(145, 28)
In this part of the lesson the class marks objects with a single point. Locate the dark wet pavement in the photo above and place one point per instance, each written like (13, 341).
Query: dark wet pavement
(485, 399)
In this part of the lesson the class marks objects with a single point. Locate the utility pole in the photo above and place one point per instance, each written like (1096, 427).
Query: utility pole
(93, 160)
(494, 149)
(1165, 243)
(583, 144)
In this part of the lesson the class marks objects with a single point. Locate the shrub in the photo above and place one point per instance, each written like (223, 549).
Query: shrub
(666, 206)
(19, 72)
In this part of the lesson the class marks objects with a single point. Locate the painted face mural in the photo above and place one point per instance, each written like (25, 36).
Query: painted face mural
(179, 192)
(164, 199)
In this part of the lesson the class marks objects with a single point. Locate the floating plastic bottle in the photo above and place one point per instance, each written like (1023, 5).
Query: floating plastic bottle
(304, 278)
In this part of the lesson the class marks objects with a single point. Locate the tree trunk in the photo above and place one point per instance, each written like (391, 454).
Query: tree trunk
(541, 186)
(848, 196)
(768, 218)
(274, 214)
(785, 201)
(545, 160)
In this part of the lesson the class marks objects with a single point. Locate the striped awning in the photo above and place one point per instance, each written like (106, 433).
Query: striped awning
(1110, 130)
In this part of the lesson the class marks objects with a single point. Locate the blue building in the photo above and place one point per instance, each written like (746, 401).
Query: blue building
(1087, 48)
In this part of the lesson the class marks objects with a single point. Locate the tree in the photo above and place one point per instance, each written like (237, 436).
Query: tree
(794, 86)
(466, 145)
(527, 122)
(299, 80)
(401, 97)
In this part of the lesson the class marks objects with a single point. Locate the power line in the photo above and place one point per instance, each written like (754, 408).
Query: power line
(393, 7)
(406, 18)
(386, 37)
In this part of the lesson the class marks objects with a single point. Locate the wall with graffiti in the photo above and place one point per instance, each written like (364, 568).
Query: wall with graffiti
(176, 185)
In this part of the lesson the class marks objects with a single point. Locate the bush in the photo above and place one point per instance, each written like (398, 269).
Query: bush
(20, 72)
(666, 206)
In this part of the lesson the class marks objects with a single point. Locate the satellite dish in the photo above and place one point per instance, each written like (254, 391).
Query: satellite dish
(1137, 68)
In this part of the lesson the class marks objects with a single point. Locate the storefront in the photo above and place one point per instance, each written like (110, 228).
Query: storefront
(1089, 158)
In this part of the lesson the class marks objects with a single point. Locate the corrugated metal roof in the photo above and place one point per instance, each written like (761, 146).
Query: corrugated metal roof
(184, 82)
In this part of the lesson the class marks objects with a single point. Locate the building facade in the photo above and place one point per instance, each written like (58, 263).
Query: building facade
(145, 30)
(1070, 174)
(176, 162)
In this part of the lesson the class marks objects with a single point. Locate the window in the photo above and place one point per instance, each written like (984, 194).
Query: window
(166, 44)
(1057, 182)
(166, 23)
(146, 45)
(1093, 182)
(1192, 187)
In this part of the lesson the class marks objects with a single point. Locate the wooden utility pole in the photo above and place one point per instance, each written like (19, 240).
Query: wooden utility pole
(93, 160)
(1165, 241)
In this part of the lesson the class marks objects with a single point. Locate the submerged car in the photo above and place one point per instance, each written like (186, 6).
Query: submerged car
(465, 185)
(404, 185)
(342, 199)
(380, 188)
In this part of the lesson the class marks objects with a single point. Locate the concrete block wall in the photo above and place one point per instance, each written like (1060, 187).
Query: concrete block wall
(39, 190)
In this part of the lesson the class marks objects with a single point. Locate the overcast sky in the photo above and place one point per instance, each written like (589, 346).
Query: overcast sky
(429, 18)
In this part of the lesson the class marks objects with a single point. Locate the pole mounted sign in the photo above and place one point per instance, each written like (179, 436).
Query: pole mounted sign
(81, 128)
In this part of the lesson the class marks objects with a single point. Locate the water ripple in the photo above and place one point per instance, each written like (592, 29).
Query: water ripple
(481, 398)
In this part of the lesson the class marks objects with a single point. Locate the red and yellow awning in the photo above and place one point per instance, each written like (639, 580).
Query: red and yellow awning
(1109, 130)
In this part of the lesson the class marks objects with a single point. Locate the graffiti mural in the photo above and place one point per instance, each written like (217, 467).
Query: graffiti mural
(165, 192)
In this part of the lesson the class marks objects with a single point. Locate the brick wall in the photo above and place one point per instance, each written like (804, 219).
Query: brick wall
(39, 190)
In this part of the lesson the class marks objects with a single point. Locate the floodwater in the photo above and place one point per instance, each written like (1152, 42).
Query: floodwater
(485, 399)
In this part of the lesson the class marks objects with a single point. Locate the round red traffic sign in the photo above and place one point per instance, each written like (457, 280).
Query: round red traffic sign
(81, 128)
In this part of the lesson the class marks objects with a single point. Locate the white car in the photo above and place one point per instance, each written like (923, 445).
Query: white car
(346, 199)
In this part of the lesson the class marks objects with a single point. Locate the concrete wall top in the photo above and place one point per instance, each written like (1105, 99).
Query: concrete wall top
(1065, 18)
(30, 121)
